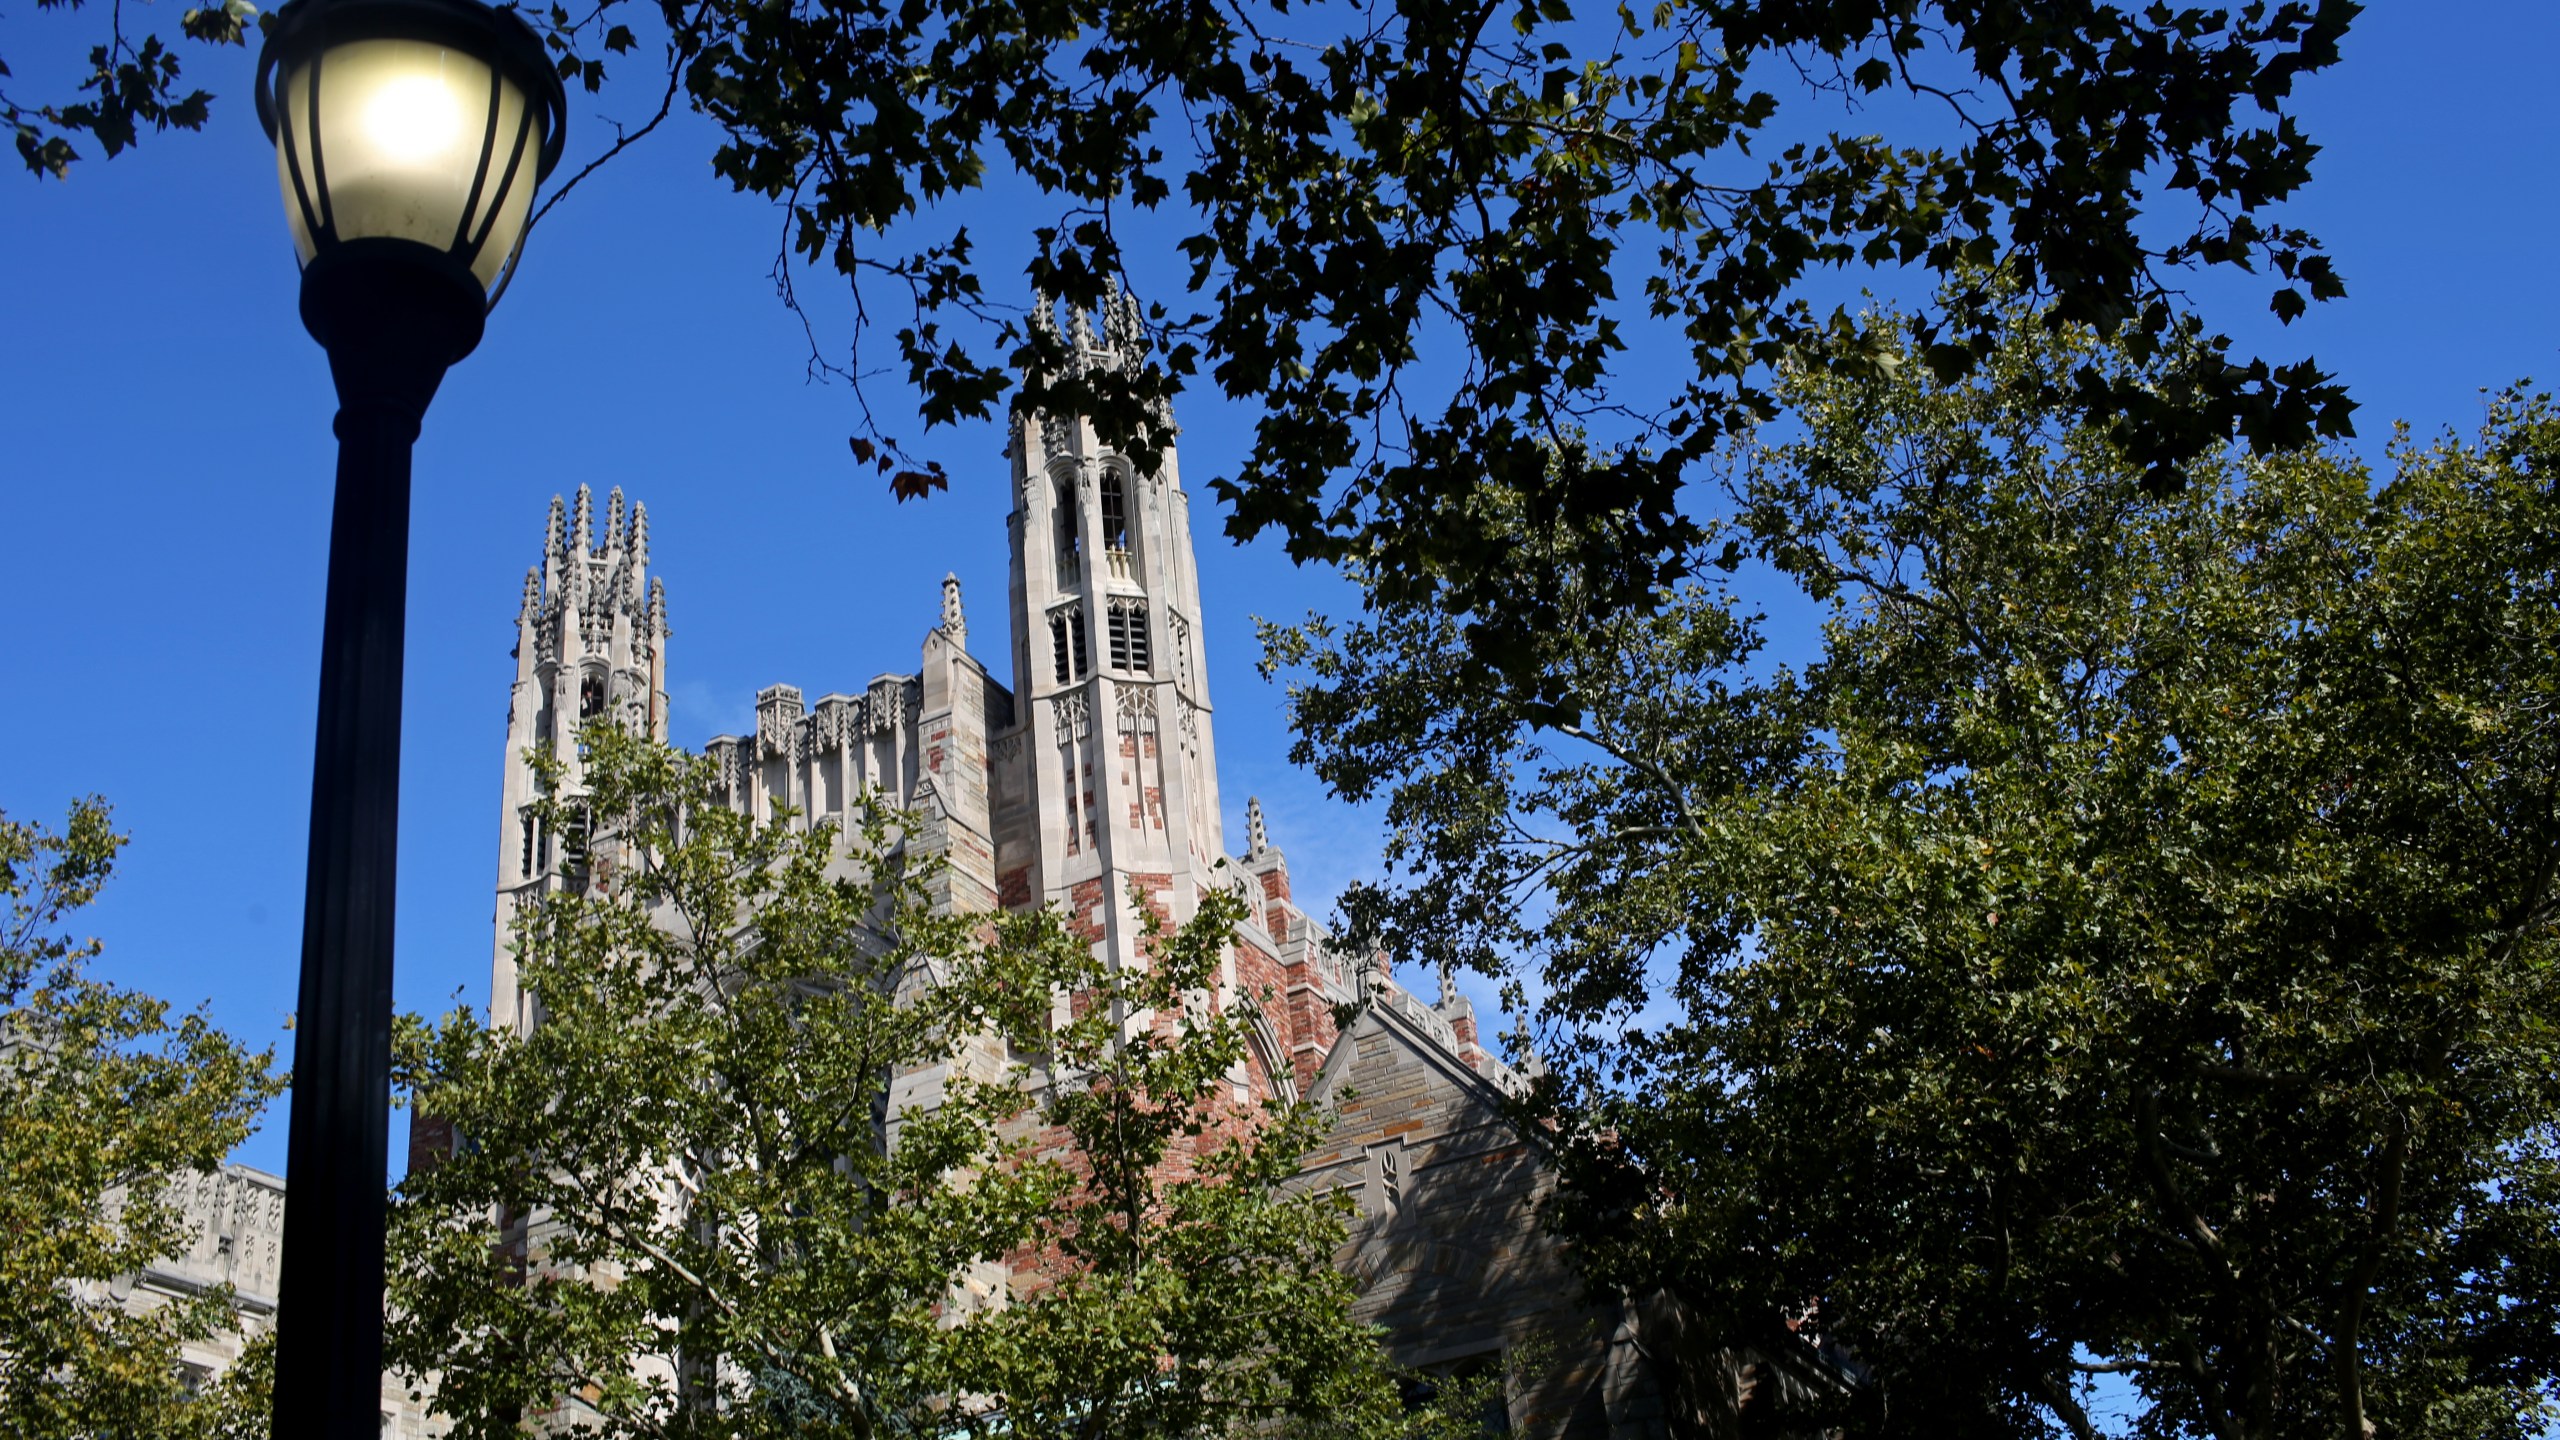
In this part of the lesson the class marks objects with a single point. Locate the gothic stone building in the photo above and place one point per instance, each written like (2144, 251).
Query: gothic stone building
(235, 1226)
(1093, 772)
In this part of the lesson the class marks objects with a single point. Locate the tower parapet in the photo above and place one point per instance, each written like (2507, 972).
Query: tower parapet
(1113, 338)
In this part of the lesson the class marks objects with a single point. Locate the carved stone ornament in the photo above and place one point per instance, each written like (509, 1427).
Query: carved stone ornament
(1069, 718)
(778, 711)
(728, 754)
(882, 704)
(839, 722)
(1137, 709)
(1005, 749)
(1057, 439)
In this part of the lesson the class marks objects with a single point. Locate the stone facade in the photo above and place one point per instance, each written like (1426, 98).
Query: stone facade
(236, 1219)
(1091, 779)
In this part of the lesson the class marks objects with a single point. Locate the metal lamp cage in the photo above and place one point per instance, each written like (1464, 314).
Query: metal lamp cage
(304, 35)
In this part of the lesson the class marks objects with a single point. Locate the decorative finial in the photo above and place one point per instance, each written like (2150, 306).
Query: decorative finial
(558, 534)
(1121, 329)
(585, 532)
(952, 623)
(532, 596)
(1256, 839)
(1448, 986)
(657, 605)
(613, 519)
(640, 535)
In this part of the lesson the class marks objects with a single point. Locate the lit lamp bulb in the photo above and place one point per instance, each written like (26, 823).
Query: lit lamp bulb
(417, 141)
(414, 117)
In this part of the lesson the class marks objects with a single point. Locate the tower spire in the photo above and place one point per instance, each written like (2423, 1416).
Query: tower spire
(953, 624)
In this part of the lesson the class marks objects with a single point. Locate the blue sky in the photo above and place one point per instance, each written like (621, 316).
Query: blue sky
(166, 462)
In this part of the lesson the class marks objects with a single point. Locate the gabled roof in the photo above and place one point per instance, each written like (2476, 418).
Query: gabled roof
(1390, 1019)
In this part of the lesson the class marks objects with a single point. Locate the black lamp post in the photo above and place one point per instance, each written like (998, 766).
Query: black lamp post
(409, 136)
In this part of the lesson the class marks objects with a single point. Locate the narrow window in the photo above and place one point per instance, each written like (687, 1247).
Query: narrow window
(1119, 637)
(1138, 656)
(1070, 542)
(591, 695)
(1115, 511)
(1069, 660)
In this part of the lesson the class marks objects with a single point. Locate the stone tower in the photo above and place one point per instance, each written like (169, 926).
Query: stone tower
(1119, 761)
(591, 641)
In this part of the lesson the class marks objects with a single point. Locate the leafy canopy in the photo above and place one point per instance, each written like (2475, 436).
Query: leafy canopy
(2126, 947)
(1432, 241)
(707, 1193)
(102, 1100)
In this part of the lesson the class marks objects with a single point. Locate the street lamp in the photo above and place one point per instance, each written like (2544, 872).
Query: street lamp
(410, 135)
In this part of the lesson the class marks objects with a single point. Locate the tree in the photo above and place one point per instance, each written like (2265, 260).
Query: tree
(1407, 227)
(689, 1201)
(102, 1100)
(2126, 948)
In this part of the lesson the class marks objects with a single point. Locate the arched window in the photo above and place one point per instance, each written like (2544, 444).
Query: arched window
(1115, 511)
(1115, 525)
(1070, 540)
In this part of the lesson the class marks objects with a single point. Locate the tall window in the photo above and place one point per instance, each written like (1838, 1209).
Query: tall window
(1128, 625)
(1070, 540)
(1067, 643)
(1115, 511)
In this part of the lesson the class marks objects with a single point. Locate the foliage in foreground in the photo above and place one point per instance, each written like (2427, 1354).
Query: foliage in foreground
(2126, 948)
(691, 1201)
(102, 1101)
(1402, 229)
